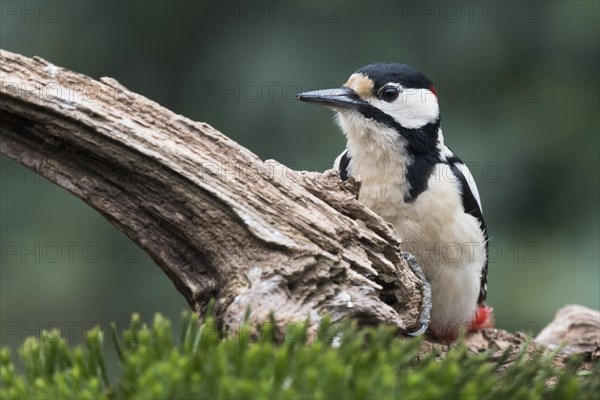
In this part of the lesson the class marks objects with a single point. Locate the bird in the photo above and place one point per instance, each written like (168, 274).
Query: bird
(390, 116)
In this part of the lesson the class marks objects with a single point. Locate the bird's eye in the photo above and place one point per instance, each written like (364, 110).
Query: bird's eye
(389, 94)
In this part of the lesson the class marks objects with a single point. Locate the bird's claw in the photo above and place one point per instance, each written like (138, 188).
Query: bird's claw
(419, 332)
(425, 316)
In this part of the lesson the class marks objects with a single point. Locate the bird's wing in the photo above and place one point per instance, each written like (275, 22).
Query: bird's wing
(470, 194)
(471, 186)
(472, 205)
(341, 163)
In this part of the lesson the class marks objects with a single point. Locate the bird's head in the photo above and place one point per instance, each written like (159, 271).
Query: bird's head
(384, 103)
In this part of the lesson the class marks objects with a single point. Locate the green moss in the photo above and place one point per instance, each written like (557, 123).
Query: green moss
(366, 363)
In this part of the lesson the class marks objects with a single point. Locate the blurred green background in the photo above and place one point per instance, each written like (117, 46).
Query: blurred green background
(519, 90)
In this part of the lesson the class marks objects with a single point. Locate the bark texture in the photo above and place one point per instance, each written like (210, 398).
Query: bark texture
(219, 221)
(575, 327)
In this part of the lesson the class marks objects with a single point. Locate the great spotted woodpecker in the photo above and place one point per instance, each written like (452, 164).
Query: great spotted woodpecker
(390, 116)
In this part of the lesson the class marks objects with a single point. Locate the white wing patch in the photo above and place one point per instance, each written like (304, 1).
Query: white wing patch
(470, 181)
(336, 163)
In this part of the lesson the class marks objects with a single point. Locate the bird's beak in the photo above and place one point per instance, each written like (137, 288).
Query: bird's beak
(344, 98)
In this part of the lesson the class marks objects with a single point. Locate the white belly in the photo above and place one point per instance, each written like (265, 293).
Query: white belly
(446, 241)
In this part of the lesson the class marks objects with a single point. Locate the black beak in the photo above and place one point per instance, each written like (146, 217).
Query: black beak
(343, 97)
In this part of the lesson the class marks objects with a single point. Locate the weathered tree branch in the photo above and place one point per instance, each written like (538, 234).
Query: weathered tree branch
(219, 221)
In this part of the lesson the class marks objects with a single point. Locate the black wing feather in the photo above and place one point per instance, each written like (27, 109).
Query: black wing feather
(343, 167)
(471, 206)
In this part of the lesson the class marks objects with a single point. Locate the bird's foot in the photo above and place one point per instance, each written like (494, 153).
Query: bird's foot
(425, 316)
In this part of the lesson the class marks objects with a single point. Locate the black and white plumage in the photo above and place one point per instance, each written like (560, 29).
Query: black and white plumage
(390, 116)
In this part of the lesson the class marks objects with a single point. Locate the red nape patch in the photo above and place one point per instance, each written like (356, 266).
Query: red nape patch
(483, 319)
(432, 90)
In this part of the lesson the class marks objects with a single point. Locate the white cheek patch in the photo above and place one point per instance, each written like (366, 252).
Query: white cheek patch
(413, 109)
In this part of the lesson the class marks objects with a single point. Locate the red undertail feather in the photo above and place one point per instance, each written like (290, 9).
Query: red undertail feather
(483, 318)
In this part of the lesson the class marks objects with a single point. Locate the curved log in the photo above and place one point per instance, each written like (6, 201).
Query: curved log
(219, 221)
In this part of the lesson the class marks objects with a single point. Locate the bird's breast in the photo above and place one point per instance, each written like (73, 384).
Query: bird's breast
(433, 226)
